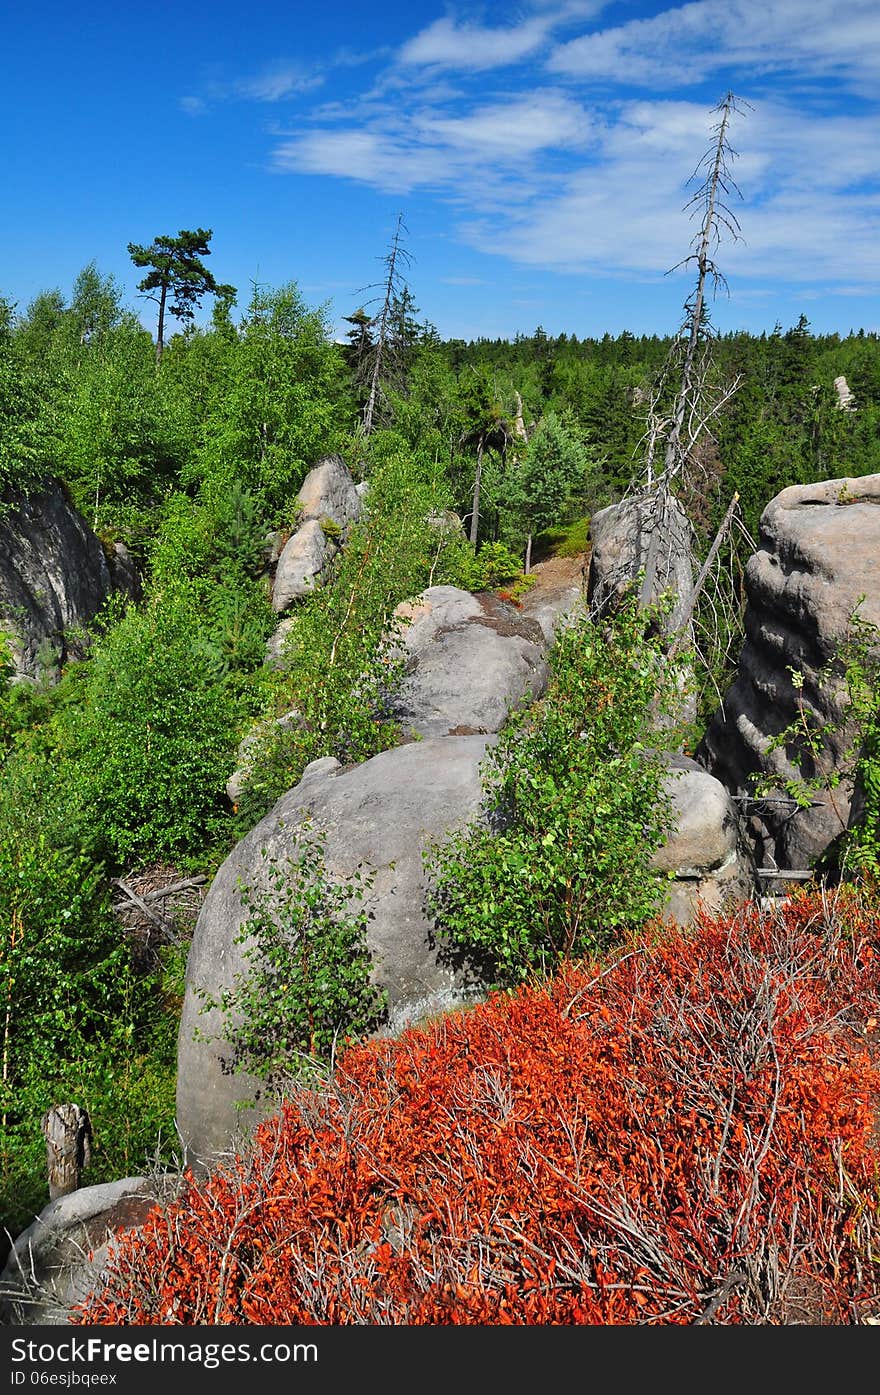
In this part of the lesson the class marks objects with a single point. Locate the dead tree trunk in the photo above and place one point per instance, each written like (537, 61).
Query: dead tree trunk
(68, 1134)
(475, 515)
(396, 254)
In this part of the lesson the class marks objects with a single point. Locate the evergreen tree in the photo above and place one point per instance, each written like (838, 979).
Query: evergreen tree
(178, 278)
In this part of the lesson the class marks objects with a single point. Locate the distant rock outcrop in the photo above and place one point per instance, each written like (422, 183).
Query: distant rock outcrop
(328, 503)
(818, 554)
(54, 578)
(846, 399)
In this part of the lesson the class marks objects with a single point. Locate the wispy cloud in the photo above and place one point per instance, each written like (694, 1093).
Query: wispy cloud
(459, 154)
(448, 44)
(276, 83)
(685, 44)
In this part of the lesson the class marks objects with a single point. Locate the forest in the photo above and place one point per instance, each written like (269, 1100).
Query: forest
(189, 449)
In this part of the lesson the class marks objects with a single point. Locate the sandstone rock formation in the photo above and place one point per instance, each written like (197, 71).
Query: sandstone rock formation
(381, 814)
(625, 538)
(705, 853)
(328, 503)
(54, 578)
(470, 659)
(846, 400)
(818, 554)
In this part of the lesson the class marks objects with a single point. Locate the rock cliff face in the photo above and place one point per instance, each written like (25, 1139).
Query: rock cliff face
(818, 554)
(54, 576)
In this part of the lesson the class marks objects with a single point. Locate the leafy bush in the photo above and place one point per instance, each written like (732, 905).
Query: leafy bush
(307, 988)
(153, 745)
(560, 863)
(76, 1021)
(493, 565)
(684, 1135)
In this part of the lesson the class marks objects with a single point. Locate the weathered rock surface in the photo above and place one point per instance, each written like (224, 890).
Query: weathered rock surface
(49, 1268)
(304, 558)
(54, 577)
(559, 595)
(329, 491)
(381, 815)
(818, 553)
(706, 851)
(470, 659)
(328, 496)
(625, 537)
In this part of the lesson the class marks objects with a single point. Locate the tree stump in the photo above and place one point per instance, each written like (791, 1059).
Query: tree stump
(68, 1134)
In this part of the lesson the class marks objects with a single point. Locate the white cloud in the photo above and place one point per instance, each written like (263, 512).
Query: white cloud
(466, 46)
(686, 44)
(277, 82)
(539, 121)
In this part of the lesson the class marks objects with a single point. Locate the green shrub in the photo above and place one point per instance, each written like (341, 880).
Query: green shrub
(560, 863)
(493, 565)
(307, 987)
(339, 664)
(76, 1021)
(154, 743)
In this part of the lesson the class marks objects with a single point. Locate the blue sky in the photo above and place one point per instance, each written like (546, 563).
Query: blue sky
(538, 153)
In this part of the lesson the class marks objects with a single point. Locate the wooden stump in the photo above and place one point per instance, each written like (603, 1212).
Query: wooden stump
(68, 1134)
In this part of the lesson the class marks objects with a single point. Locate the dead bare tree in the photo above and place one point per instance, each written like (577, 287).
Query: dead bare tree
(685, 400)
(393, 289)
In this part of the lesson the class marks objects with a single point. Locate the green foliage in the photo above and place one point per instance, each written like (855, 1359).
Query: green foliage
(177, 279)
(149, 753)
(113, 435)
(560, 864)
(493, 565)
(307, 988)
(565, 540)
(76, 1021)
(21, 435)
(276, 410)
(555, 467)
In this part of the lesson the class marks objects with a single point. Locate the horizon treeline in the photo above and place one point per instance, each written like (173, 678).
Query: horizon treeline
(264, 389)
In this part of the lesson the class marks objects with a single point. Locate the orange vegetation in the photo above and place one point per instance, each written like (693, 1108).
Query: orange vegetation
(687, 1135)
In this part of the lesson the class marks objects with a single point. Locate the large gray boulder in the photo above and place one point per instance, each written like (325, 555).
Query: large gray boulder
(818, 554)
(380, 815)
(54, 578)
(469, 660)
(706, 854)
(58, 1260)
(301, 566)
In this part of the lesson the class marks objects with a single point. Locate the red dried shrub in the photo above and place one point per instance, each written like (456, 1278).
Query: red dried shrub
(685, 1135)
